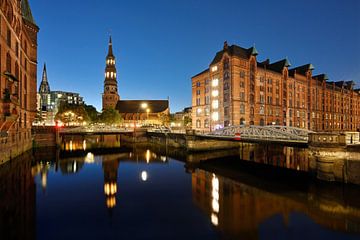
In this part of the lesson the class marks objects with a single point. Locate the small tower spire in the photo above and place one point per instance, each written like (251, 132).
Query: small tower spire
(110, 51)
(44, 86)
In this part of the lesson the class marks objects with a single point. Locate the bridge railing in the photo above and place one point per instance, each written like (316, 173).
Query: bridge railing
(263, 132)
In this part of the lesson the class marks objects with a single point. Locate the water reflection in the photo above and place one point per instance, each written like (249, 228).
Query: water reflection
(239, 210)
(143, 186)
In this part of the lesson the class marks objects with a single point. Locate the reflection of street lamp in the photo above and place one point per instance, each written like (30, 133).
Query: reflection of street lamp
(147, 115)
(144, 176)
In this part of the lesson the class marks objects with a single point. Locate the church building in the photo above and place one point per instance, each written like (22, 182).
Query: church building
(139, 112)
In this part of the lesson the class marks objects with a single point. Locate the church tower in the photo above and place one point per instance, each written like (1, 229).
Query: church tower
(110, 96)
(44, 91)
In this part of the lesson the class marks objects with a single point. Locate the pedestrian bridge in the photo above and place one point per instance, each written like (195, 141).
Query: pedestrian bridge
(94, 129)
(265, 133)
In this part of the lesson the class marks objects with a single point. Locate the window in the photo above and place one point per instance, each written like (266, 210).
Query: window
(198, 101)
(242, 108)
(8, 38)
(262, 99)
(206, 123)
(215, 82)
(198, 84)
(242, 74)
(207, 99)
(242, 84)
(197, 92)
(198, 112)
(269, 98)
(215, 104)
(198, 123)
(207, 81)
(261, 110)
(242, 96)
(8, 62)
(215, 116)
(214, 68)
(215, 93)
(226, 75)
(207, 111)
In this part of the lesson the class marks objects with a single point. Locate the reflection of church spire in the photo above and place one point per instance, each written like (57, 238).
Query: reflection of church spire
(110, 168)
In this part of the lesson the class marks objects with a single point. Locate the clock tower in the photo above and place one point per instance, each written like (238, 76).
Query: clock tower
(110, 96)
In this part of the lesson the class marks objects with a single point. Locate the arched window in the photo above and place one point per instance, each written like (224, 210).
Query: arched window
(242, 121)
(262, 122)
(198, 123)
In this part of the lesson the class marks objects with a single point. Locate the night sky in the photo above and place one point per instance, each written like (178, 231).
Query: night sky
(159, 45)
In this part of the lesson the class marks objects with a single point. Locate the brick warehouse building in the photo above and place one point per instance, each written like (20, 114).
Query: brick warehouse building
(18, 65)
(237, 89)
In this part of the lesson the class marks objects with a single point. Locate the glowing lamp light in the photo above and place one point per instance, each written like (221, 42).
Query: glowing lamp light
(144, 105)
(144, 176)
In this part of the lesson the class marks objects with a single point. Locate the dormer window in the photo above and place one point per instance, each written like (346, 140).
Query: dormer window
(214, 68)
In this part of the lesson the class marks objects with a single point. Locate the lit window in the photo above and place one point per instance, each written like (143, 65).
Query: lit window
(215, 82)
(214, 68)
(112, 74)
(215, 116)
(215, 104)
(115, 75)
(215, 93)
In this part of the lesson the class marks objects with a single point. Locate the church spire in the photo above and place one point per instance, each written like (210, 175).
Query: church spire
(110, 51)
(110, 95)
(44, 86)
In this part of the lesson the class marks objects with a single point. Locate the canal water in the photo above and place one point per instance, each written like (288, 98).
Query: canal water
(149, 192)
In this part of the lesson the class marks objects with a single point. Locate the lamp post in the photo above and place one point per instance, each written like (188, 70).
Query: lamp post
(143, 105)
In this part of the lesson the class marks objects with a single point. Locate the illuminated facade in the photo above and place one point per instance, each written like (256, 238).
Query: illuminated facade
(18, 68)
(236, 89)
(110, 95)
(133, 112)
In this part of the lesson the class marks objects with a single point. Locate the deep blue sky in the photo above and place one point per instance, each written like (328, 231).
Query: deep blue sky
(159, 45)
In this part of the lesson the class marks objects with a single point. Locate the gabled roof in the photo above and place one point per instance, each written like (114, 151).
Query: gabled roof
(206, 70)
(26, 11)
(279, 65)
(301, 69)
(234, 50)
(134, 106)
(321, 77)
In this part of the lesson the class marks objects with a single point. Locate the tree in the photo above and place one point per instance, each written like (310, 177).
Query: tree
(92, 113)
(187, 121)
(110, 116)
(69, 113)
(164, 118)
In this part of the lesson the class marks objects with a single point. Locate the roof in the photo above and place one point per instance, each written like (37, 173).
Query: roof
(279, 65)
(301, 69)
(26, 11)
(234, 50)
(206, 70)
(134, 106)
(321, 77)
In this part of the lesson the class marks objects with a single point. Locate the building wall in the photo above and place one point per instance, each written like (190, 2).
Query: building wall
(248, 93)
(18, 59)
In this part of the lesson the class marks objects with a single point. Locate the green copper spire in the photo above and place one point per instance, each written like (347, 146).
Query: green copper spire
(287, 62)
(254, 52)
(26, 11)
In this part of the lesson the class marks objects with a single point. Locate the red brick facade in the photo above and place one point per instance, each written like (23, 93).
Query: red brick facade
(237, 89)
(18, 68)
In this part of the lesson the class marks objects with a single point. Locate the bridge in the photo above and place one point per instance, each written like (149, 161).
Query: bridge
(95, 129)
(262, 133)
